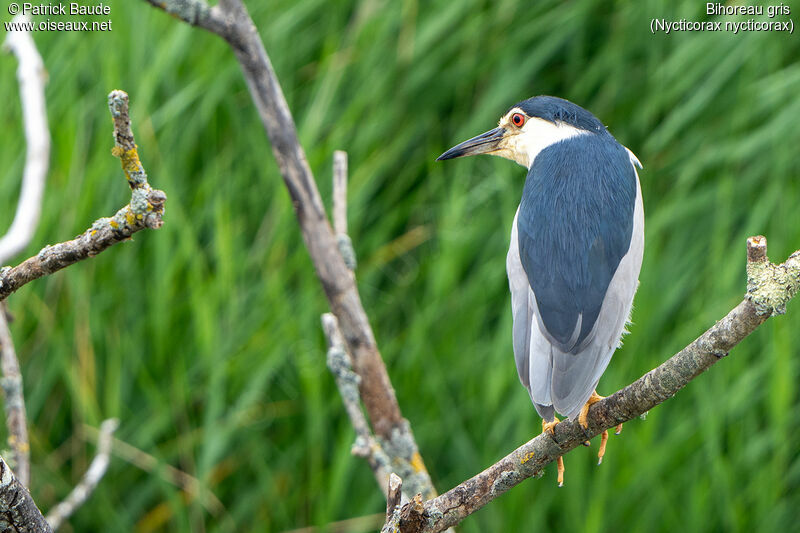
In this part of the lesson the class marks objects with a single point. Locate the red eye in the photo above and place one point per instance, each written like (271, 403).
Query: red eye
(518, 119)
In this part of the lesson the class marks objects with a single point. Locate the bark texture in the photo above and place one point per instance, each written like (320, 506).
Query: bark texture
(18, 511)
(16, 419)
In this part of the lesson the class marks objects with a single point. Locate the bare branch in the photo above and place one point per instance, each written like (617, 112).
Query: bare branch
(366, 445)
(231, 21)
(144, 211)
(195, 12)
(18, 511)
(769, 289)
(393, 495)
(95, 472)
(16, 419)
(340, 209)
(32, 76)
(340, 192)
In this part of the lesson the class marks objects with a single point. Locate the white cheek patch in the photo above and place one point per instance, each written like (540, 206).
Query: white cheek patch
(523, 145)
(536, 135)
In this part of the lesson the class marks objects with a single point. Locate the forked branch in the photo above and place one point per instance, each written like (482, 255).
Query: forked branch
(144, 211)
(231, 21)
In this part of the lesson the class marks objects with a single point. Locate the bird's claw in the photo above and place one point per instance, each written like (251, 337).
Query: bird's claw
(584, 414)
(550, 427)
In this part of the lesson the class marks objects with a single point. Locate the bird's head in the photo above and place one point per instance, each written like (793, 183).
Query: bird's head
(529, 127)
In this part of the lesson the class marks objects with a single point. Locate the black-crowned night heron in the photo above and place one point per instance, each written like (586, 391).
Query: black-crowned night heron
(576, 250)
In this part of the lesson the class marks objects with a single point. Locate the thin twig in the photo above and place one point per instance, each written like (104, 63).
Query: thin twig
(18, 511)
(32, 77)
(143, 460)
(14, 403)
(231, 21)
(770, 287)
(340, 192)
(95, 472)
(340, 209)
(366, 445)
(144, 211)
(347, 380)
(350, 525)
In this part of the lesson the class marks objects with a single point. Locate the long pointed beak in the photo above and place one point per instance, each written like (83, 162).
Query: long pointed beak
(482, 144)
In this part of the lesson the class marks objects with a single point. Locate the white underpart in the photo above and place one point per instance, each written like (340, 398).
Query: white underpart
(524, 144)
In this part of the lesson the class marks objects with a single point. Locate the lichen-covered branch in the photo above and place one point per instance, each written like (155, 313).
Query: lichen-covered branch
(144, 211)
(366, 445)
(231, 21)
(32, 76)
(95, 472)
(16, 420)
(18, 511)
(769, 288)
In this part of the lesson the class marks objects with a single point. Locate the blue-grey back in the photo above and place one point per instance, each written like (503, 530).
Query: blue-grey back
(575, 223)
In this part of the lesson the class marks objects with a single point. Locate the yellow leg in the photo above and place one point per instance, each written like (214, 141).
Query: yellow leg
(582, 420)
(549, 427)
(593, 399)
(602, 452)
(560, 467)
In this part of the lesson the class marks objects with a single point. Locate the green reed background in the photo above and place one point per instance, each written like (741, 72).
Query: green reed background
(204, 337)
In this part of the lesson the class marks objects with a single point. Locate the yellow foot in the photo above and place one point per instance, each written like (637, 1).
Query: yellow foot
(593, 399)
(549, 427)
(618, 430)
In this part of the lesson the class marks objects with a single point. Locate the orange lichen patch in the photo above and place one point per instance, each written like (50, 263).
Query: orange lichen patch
(113, 224)
(416, 463)
(130, 160)
(117, 151)
(527, 457)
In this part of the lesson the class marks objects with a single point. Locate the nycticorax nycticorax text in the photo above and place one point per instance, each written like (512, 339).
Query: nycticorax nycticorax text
(576, 249)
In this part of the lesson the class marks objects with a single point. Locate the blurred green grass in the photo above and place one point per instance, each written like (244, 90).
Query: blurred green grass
(204, 338)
